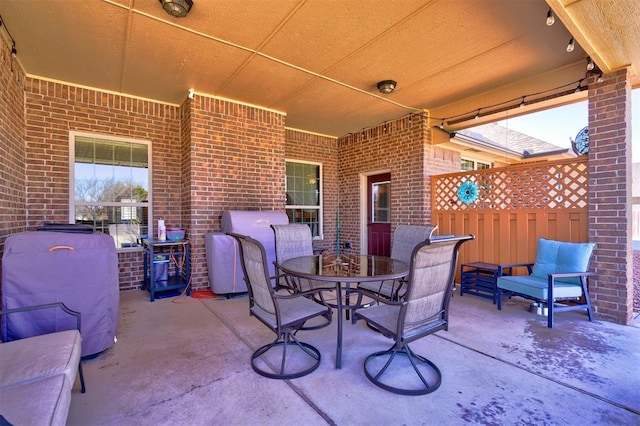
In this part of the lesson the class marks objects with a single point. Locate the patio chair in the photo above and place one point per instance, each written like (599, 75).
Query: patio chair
(405, 239)
(284, 314)
(560, 273)
(294, 240)
(422, 311)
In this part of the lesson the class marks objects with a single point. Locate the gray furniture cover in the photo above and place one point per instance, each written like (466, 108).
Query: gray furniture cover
(80, 270)
(224, 264)
(223, 255)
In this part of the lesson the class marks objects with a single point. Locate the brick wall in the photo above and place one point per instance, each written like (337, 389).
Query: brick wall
(609, 197)
(12, 166)
(234, 160)
(402, 147)
(315, 148)
(54, 109)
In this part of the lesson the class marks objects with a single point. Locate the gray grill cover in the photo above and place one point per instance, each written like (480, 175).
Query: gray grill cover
(223, 255)
(83, 274)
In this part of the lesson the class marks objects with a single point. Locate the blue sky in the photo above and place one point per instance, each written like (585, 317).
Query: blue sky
(558, 125)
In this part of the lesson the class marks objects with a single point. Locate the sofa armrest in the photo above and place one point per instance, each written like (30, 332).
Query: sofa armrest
(60, 305)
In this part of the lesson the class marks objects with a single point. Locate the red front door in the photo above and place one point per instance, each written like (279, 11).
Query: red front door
(379, 215)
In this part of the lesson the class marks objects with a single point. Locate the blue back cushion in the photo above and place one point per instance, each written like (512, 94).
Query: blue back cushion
(561, 257)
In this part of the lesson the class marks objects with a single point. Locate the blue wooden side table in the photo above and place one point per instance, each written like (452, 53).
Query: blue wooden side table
(480, 279)
(159, 257)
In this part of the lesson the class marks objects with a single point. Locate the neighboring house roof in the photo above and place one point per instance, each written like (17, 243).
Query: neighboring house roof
(494, 136)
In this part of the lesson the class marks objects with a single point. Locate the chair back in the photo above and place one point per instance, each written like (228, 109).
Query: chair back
(431, 276)
(292, 240)
(256, 274)
(407, 237)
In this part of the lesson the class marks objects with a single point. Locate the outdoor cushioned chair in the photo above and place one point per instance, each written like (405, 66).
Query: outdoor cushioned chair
(284, 314)
(422, 311)
(405, 238)
(560, 272)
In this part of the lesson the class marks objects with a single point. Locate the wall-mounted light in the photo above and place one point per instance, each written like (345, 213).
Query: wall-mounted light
(590, 65)
(551, 19)
(192, 94)
(522, 104)
(14, 51)
(177, 8)
(387, 86)
(571, 45)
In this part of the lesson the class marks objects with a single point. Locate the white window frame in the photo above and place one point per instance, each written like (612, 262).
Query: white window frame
(72, 160)
(320, 206)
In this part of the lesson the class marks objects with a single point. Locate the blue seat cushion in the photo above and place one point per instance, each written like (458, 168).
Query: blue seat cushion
(538, 288)
(554, 257)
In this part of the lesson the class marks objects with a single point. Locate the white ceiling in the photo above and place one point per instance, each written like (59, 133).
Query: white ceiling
(319, 61)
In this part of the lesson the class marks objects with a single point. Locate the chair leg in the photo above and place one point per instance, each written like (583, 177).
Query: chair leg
(288, 343)
(499, 299)
(426, 378)
(81, 374)
(587, 301)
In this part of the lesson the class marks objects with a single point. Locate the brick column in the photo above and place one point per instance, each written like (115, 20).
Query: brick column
(610, 197)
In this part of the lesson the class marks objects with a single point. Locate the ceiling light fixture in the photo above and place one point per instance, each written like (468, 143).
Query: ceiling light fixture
(551, 19)
(387, 86)
(522, 104)
(177, 8)
(590, 65)
(571, 45)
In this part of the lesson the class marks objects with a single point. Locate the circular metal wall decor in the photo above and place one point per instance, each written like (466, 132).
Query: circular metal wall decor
(581, 145)
(468, 192)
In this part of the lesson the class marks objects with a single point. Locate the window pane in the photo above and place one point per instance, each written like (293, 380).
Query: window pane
(303, 184)
(126, 224)
(380, 203)
(303, 195)
(307, 216)
(466, 165)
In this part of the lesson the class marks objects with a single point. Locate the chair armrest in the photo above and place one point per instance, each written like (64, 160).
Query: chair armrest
(572, 275)
(298, 293)
(60, 305)
(529, 266)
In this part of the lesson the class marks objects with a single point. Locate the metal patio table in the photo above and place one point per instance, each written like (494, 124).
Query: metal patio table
(343, 270)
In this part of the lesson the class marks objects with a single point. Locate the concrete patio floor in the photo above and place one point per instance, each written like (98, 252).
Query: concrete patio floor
(186, 361)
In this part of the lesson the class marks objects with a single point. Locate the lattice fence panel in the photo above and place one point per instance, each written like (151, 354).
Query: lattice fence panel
(559, 185)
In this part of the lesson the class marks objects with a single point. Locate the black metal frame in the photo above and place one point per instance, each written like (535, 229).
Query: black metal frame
(64, 308)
